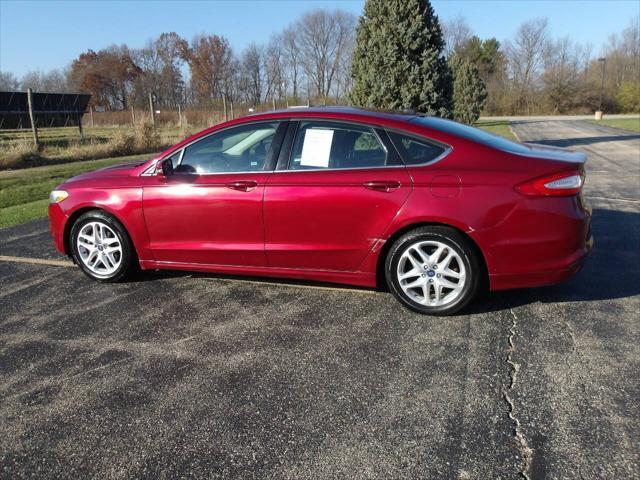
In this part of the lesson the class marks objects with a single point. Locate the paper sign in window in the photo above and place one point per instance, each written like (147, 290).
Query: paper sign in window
(316, 148)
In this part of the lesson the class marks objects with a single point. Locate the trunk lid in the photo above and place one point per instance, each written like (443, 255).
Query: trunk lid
(548, 152)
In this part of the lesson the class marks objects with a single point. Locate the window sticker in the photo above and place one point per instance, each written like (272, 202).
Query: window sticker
(316, 148)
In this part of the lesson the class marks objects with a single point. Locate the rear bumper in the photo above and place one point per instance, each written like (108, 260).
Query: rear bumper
(542, 277)
(57, 222)
(541, 242)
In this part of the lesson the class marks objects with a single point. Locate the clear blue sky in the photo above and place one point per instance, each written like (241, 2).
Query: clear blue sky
(50, 34)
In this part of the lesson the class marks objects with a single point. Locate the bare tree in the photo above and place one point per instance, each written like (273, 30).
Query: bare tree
(456, 32)
(525, 57)
(170, 48)
(150, 64)
(8, 82)
(292, 54)
(34, 80)
(325, 38)
(561, 77)
(253, 74)
(274, 67)
(623, 56)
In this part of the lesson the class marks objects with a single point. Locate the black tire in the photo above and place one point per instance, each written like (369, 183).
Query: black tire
(128, 259)
(451, 238)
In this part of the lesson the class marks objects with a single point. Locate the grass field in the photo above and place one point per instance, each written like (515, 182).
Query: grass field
(631, 124)
(63, 145)
(24, 192)
(499, 127)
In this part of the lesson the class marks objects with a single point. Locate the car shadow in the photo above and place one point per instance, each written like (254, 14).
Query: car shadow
(572, 142)
(611, 271)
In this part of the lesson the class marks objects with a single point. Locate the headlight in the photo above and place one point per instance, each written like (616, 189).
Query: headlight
(57, 196)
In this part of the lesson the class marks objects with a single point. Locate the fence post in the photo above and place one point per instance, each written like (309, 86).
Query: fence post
(91, 115)
(80, 126)
(133, 116)
(153, 113)
(179, 116)
(34, 128)
(224, 105)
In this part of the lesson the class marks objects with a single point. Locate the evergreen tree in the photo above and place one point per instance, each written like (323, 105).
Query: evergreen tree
(469, 92)
(398, 60)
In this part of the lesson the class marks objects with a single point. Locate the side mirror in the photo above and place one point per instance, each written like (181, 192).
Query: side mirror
(165, 168)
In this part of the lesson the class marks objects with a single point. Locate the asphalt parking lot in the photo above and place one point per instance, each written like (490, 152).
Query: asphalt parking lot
(178, 375)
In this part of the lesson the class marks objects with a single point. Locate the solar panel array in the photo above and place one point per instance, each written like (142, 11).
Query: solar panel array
(50, 109)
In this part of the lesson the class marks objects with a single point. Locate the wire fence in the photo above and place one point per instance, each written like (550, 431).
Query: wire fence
(176, 116)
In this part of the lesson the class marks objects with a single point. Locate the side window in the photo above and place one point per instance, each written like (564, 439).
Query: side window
(320, 145)
(414, 151)
(237, 149)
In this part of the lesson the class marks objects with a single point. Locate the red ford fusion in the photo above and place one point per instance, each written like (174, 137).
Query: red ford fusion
(431, 209)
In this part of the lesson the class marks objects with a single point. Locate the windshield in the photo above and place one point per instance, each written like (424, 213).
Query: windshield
(473, 134)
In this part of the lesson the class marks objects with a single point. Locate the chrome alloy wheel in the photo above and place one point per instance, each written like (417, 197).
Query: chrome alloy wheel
(431, 273)
(99, 248)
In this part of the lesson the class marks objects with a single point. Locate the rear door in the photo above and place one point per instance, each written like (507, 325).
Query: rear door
(334, 193)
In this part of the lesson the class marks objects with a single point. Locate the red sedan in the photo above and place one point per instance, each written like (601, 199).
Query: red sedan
(431, 208)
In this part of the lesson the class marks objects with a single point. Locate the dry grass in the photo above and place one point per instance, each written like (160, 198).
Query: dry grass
(63, 145)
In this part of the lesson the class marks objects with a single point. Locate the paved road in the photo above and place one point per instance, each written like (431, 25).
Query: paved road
(199, 376)
(553, 118)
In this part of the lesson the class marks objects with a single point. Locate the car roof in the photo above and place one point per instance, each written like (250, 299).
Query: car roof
(304, 111)
(404, 120)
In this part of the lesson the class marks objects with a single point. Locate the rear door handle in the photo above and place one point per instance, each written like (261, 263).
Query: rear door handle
(382, 185)
(243, 186)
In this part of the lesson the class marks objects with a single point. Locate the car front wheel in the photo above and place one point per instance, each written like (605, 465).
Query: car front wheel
(101, 247)
(433, 270)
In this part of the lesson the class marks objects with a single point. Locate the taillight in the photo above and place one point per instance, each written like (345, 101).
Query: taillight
(562, 184)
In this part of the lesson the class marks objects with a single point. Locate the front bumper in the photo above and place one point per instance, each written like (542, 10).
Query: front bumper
(57, 223)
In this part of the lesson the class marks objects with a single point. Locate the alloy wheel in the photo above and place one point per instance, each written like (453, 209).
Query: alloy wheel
(431, 273)
(99, 248)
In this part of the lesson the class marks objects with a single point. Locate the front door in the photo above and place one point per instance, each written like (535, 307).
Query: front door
(210, 210)
(340, 190)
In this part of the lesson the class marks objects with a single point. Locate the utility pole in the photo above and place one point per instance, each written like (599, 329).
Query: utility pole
(604, 63)
(179, 116)
(34, 128)
(153, 113)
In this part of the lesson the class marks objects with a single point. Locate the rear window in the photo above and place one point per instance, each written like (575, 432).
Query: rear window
(471, 133)
(414, 151)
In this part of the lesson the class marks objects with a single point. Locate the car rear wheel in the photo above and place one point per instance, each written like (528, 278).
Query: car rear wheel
(101, 247)
(433, 270)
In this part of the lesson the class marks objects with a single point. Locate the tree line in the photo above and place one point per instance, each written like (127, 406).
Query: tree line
(309, 58)
(332, 57)
(533, 72)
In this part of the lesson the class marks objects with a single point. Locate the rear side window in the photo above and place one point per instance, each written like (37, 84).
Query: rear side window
(323, 145)
(473, 134)
(414, 151)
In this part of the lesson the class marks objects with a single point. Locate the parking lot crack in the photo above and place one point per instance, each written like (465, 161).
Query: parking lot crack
(573, 340)
(526, 452)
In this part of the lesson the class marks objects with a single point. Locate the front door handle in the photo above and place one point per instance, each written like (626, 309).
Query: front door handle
(382, 185)
(243, 186)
